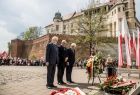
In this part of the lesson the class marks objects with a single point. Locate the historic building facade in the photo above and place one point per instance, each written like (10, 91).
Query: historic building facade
(63, 27)
(115, 12)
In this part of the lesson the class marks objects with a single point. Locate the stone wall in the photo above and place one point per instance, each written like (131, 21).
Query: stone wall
(35, 49)
(16, 48)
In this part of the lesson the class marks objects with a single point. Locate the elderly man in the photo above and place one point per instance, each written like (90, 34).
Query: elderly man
(62, 62)
(70, 62)
(52, 59)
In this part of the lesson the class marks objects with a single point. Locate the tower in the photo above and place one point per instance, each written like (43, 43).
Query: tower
(57, 17)
(57, 22)
(130, 14)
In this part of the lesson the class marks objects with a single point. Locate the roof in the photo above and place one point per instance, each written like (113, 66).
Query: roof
(49, 25)
(74, 14)
(96, 6)
(67, 17)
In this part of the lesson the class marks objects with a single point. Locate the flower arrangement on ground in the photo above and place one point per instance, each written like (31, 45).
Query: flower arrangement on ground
(117, 85)
(68, 91)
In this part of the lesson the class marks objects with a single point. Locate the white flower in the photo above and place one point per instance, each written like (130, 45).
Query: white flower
(119, 77)
(124, 80)
(70, 92)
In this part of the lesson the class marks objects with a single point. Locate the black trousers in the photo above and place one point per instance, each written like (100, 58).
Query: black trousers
(50, 74)
(110, 71)
(60, 73)
(69, 73)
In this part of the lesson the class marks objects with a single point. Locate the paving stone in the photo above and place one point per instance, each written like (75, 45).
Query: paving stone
(30, 80)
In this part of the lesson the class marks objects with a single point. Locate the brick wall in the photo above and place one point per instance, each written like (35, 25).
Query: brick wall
(35, 49)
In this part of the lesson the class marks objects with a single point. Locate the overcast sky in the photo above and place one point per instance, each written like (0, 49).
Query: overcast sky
(17, 15)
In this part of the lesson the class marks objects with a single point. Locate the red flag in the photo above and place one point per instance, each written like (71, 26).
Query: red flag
(120, 55)
(4, 55)
(138, 50)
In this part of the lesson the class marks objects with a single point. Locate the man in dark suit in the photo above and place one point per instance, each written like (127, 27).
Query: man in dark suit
(62, 62)
(52, 59)
(70, 62)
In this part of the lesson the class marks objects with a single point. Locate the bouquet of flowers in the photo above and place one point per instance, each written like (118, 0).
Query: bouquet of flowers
(93, 65)
(89, 67)
(117, 85)
(68, 91)
(97, 63)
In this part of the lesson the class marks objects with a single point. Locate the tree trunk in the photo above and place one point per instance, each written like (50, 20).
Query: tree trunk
(92, 48)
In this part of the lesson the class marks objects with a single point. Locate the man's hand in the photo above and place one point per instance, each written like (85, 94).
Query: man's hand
(47, 63)
(68, 64)
(66, 59)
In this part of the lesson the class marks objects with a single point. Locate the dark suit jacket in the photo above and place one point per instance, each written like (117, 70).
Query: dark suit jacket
(52, 54)
(62, 55)
(71, 56)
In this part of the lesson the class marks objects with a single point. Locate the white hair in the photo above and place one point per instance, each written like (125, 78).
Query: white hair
(73, 45)
(64, 41)
(54, 38)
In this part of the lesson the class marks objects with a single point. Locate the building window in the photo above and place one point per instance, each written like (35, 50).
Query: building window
(51, 29)
(72, 31)
(126, 5)
(120, 24)
(127, 13)
(71, 25)
(48, 31)
(110, 28)
(119, 9)
(107, 16)
(57, 27)
(64, 32)
(115, 11)
(115, 28)
(123, 9)
(64, 27)
(105, 9)
(135, 24)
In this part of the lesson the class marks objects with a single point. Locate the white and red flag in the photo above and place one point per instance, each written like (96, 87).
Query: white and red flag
(134, 45)
(138, 50)
(127, 48)
(120, 54)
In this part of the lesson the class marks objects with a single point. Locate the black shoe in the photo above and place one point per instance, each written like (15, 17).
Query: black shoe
(72, 81)
(49, 87)
(63, 83)
(68, 82)
(53, 86)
